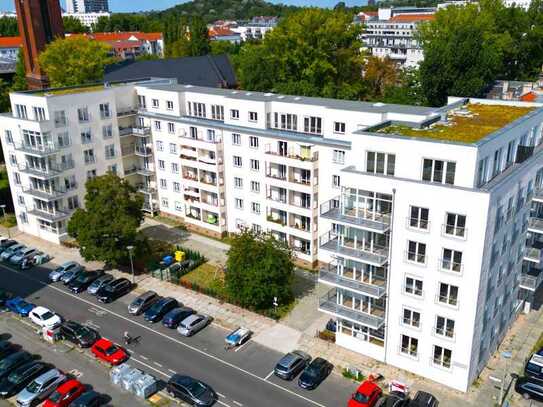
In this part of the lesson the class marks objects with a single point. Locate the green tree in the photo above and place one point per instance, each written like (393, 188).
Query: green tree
(313, 52)
(8, 27)
(199, 38)
(74, 61)
(73, 25)
(224, 47)
(19, 79)
(110, 221)
(259, 268)
(380, 73)
(407, 91)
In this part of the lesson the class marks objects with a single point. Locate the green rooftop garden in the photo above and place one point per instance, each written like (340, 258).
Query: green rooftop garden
(71, 90)
(466, 125)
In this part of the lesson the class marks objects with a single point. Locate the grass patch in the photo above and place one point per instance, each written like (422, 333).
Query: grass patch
(204, 275)
(348, 374)
(9, 220)
(538, 345)
(170, 221)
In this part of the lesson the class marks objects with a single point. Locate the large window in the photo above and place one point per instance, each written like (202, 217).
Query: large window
(380, 163)
(419, 217)
(455, 225)
(448, 294)
(438, 171)
(217, 112)
(416, 252)
(339, 127)
(197, 109)
(444, 327)
(285, 121)
(409, 346)
(105, 113)
(313, 124)
(442, 356)
(413, 286)
(411, 318)
(451, 260)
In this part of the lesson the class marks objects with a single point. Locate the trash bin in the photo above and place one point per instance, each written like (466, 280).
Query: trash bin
(145, 386)
(116, 373)
(129, 379)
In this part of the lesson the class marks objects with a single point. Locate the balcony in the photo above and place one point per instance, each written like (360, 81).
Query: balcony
(143, 151)
(373, 221)
(127, 111)
(146, 189)
(47, 194)
(535, 225)
(331, 277)
(40, 150)
(531, 279)
(50, 216)
(134, 131)
(127, 151)
(538, 196)
(532, 255)
(51, 170)
(294, 156)
(328, 304)
(375, 255)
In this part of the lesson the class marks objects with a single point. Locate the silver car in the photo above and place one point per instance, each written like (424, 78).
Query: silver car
(40, 388)
(99, 283)
(194, 323)
(55, 275)
(10, 251)
(18, 257)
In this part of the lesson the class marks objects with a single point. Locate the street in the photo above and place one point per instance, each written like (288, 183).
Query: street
(242, 377)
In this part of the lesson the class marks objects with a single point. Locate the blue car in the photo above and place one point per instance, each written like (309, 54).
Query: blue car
(19, 306)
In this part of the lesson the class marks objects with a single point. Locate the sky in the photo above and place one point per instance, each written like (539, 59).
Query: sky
(142, 5)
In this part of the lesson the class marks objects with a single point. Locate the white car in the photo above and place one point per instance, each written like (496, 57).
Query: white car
(43, 317)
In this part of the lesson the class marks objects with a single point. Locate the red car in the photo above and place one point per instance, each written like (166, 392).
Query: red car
(366, 395)
(107, 351)
(65, 394)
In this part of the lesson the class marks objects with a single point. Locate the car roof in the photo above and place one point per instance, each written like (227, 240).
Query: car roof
(181, 379)
(147, 294)
(103, 342)
(88, 395)
(367, 387)
(289, 359)
(68, 263)
(192, 318)
(318, 361)
(105, 277)
(40, 310)
(67, 385)
(47, 375)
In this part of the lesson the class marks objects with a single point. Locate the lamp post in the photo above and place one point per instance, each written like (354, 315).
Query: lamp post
(130, 248)
(3, 207)
(501, 381)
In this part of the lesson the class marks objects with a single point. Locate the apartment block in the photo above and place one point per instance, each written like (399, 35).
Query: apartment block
(426, 224)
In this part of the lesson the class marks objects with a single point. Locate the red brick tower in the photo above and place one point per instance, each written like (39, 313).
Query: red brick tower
(40, 22)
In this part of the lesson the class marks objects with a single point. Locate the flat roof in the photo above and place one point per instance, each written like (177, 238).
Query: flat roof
(466, 124)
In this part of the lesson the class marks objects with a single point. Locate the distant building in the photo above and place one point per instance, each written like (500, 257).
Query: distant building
(218, 33)
(88, 19)
(9, 14)
(9, 47)
(86, 6)
(517, 90)
(256, 29)
(525, 4)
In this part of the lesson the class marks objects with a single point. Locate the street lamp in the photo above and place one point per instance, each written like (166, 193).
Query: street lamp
(506, 355)
(130, 248)
(3, 207)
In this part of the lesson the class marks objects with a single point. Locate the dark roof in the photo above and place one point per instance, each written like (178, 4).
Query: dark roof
(208, 70)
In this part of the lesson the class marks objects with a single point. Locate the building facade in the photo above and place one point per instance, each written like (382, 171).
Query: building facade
(88, 19)
(424, 222)
(87, 6)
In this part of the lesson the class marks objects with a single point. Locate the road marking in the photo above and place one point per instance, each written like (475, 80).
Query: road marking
(223, 403)
(241, 346)
(253, 375)
(91, 324)
(220, 326)
(158, 364)
(268, 376)
(237, 403)
(144, 357)
(150, 367)
(221, 395)
(97, 312)
(172, 371)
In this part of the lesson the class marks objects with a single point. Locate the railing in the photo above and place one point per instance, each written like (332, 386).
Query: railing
(444, 332)
(447, 299)
(412, 290)
(369, 219)
(51, 216)
(127, 150)
(47, 193)
(530, 282)
(50, 169)
(135, 130)
(532, 254)
(86, 140)
(127, 111)
(328, 303)
(417, 223)
(410, 351)
(412, 322)
(293, 154)
(327, 276)
(449, 265)
(280, 198)
(281, 177)
(52, 229)
(415, 257)
(143, 150)
(90, 159)
(454, 231)
(536, 225)
(47, 148)
(200, 137)
(366, 252)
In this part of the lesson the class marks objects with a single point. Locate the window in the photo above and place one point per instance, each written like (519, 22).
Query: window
(73, 202)
(451, 260)
(112, 169)
(238, 182)
(438, 171)
(418, 217)
(380, 163)
(155, 103)
(255, 165)
(157, 125)
(442, 356)
(86, 136)
(17, 177)
(164, 202)
(197, 109)
(237, 161)
(409, 346)
(13, 159)
(60, 118)
(89, 156)
(339, 127)
(339, 157)
(256, 228)
(210, 134)
(482, 169)
(239, 203)
(9, 136)
(91, 174)
(413, 286)
(163, 183)
(253, 116)
(255, 208)
(255, 186)
(411, 318)
(313, 124)
(107, 131)
(217, 112)
(253, 142)
(455, 225)
(20, 111)
(159, 145)
(285, 121)
(444, 327)
(141, 102)
(336, 181)
(496, 167)
(169, 105)
(39, 113)
(416, 252)
(161, 165)
(110, 151)
(178, 206)
(448, 294)
(175, 168)
(83, 114)
(509, 155)
(104, 111)
(173, 148)
(236, 139)
(234, 114)
(21, 200)
(176, 187)
(171, 127)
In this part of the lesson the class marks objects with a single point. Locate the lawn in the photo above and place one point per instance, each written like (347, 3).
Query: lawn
(207, 278)
(8, 221)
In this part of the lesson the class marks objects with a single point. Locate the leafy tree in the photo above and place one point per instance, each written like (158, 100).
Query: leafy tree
(19, 79)
(110, 221)
(199, 39)
(8, 27)
(5, 104)
(73, 61)
(224, 47)
(407, 91)
(313, 52)
(380, 73)
(74, 26)
(259, 267)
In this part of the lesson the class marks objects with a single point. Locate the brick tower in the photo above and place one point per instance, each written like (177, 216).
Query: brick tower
(40, 22)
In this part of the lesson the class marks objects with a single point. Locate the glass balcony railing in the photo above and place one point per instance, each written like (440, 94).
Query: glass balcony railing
(332, 277)
(371, 220)
(366, 252)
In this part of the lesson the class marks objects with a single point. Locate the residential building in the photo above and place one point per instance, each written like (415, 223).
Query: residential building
(89, 18)
(426, 223)
(525, 4)
(218, 33)
(86, 6)
(9, 47)
(256, 28)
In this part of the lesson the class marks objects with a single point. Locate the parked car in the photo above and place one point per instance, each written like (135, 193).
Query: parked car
(19, 306)
(82, 335)
(10, 251)
(238, 337)
(55, 275)
(366, 395)
(4, 296)
(65, 394)
(529, 388)
(394, 399)
(115, 289)
(71, 275)
(99, 283)
(143, 302)
(534, 367)
(88, 399)
(191, 390)
(173, 318)
(107, 351)
(160, 308)
(13, 361)
(194, 323)
(40, 388)
(5, 244)
(423, 399)
(315, 373)
(84, 280)
(291, 364)
(21, 255)
(19, 378)
(44, 317)
(40, 258)
(6, 349)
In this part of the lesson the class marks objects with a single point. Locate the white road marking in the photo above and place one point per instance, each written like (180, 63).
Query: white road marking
(174, 340)
(220, 326)
(91, 324)
(221, 395)
(223, 403)
(241, 346)
(172, 371)
(144, 357)
(150, 367)
(237, 403)
(158, 364)
(268, 376)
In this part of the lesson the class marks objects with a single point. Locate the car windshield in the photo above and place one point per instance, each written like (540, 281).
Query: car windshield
(109, 288)
(111, 350)
(362, 398)
(47, 315)
(196, 388)
(312, 371)
(33, 387)
(81, 330)
(23, 303)
(532, 367)
(157, 306)
(233, 337)
(55, 397)
(83, 278)
(138, 301)
(59, 269)
(4, 363)
(15, 377)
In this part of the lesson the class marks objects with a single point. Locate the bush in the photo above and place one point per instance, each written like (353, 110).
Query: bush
(349, 374)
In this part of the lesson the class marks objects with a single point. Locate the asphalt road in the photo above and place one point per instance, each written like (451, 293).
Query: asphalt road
(241, 377)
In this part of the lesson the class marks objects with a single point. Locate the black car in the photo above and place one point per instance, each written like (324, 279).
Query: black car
(19, 378)
(7, 243)
(82, 281)
(529, 388)
(191, 390)
(394, 399)
(117, 288)
(6, 349)
(291, 364)
(315, 373)
(88, 399)
(81, 335)
(534, 366)
(173, 318)
(13, 361)
(160, 308)
(4, 296)
(423, 399)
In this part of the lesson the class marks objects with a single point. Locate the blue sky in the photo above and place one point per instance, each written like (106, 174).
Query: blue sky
(137, 5)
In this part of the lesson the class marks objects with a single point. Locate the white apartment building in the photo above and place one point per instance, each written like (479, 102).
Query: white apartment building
(424, 222)
(89, 18)
(86, 6)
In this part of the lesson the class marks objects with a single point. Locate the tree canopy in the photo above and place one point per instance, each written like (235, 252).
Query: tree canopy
(110, 221)
(8, 27)
(74, 61)
(259, 268)
(73, 25)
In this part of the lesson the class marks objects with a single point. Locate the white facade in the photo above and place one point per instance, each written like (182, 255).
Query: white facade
(88, 19)
(421, 242)
(86, 6)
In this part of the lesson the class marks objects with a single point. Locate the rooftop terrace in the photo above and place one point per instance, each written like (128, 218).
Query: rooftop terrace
(468, 124)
